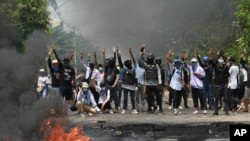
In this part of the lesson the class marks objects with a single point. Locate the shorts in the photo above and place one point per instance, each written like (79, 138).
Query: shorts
(66, 92)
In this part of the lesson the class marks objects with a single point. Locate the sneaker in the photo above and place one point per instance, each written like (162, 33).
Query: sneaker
(204, 111)
(111, 111)
(161, 112)
(123, 111)
(170, 107)
(186, 106)
(196, 112)
(180, 107)
(227, 113)
(215, 113)
(83, 114)
(134, 111)
(175, 111)
(90, 114)
(98, 109)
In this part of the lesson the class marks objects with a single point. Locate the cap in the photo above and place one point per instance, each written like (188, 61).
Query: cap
(193, 60)
(205, 58)
(54, 61)
(177, 60)
(41, 70)
(85, 85)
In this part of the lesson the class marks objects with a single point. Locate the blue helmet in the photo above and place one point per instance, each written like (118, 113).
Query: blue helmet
(205, 58)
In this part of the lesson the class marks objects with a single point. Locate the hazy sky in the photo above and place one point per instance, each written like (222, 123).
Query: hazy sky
(126, 23)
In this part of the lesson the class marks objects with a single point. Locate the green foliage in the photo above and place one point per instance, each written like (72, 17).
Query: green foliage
(27, 16)
(243, 15)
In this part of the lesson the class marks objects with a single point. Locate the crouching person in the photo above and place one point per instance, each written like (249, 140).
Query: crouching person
(85, 101)
(104, 99)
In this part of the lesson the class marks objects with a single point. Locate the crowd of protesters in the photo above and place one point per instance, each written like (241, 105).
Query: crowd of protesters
(214, 82)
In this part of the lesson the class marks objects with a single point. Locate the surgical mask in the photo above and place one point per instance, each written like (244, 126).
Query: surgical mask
(84, 89)
(220, 61)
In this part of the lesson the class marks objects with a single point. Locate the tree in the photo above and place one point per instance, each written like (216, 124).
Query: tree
(27, 16)
(243, 16)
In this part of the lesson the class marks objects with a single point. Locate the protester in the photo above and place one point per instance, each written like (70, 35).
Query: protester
(208, 79)
(197, 74)
(111, 77)
(42, 87)
(152, 79)
(85, 101)
(129, 82)
(220, 77)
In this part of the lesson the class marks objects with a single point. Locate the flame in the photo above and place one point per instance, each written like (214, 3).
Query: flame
(53, 131)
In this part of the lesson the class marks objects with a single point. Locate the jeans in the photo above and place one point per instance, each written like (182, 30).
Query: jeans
(125, 98)
(43, 93)
(140, 97)
(113, 96)
(208, 94)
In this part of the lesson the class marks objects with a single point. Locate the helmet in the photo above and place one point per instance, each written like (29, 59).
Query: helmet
(205, 58)
(111, 62)
(128, 63)
(150, 58)
(65, 60)
(158, 61)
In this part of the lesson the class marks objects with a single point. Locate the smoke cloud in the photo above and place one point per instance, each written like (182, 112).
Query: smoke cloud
(129, 23)
(21, 113)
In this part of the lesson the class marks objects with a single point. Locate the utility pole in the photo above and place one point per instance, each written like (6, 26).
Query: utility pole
(235, 25)
(74, 44)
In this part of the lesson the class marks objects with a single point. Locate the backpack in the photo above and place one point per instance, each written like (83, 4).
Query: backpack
(240, 79)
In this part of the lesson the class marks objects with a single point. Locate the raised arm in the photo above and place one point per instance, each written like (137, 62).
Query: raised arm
(84, 66)
(119, 58)
(169, 59)
(114, 52)
(71, 56)
(54, 51)
(141, 59)
(132, 56)
(199, 58)
(96, 64)
(103, 56)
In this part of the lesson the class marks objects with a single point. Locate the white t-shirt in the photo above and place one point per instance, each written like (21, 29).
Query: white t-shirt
(233, 71)
(176, 82)
(41, 82)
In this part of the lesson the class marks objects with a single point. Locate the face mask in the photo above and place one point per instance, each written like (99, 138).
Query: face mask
(103, 88)
(56, 68)
(100, 69)
(84, 89)
(194, 65)
(220, 61)
(177, 65)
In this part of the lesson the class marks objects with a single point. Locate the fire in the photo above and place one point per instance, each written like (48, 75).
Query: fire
(53, 131)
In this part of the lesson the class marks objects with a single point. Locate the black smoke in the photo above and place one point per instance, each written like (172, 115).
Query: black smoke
(161, 24)
(20, 112)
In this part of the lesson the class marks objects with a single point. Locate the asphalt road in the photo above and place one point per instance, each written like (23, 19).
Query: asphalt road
(143, 126)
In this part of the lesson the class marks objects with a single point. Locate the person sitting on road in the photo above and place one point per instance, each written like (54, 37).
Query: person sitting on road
(104, 98)
(85, 101)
